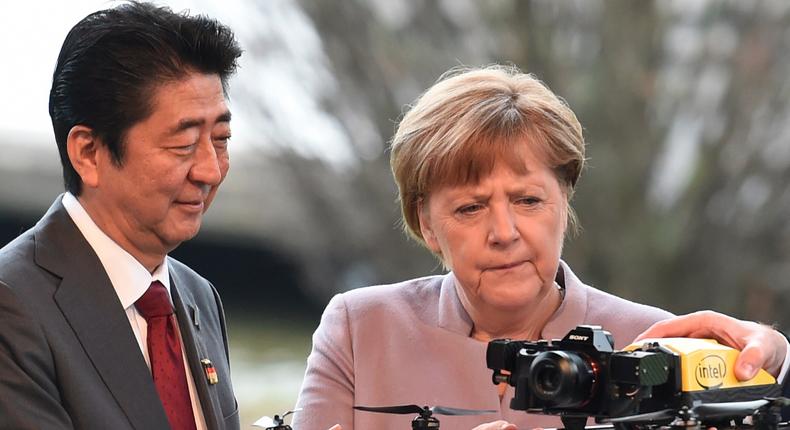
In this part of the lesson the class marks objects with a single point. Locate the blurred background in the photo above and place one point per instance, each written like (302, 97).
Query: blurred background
(685, 105)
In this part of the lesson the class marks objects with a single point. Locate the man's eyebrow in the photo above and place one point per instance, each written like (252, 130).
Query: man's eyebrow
(224, 117)
(188, 123)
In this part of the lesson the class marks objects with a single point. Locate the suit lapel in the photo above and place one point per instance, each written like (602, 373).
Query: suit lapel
(89, 304)
(188, 316)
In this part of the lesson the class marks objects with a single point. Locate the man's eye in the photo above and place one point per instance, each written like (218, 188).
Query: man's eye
(221, 140)
(184, 148)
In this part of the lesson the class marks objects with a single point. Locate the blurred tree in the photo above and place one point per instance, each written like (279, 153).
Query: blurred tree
(684, 104)
(683, 203)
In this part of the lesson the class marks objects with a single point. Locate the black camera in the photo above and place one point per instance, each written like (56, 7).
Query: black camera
(583, 376)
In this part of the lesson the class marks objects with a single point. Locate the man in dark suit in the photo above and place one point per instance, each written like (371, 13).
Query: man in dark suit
(99, 328)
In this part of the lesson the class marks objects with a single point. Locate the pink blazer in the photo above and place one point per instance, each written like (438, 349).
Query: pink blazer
(409, 343)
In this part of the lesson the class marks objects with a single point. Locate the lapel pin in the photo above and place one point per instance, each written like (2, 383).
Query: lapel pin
(211, 373)
(195, 317)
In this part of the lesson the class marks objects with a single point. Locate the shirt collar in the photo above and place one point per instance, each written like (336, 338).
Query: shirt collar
(129, 278)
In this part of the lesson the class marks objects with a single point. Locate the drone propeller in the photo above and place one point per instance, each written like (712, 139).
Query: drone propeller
(402, 409)
(276, 423)
(649, 417)
(702, 412)
(424, 410)
(712, 411)
(425, 419)
(443, 410)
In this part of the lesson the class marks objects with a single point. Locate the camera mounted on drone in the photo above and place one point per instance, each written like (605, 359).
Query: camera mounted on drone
(655, 382)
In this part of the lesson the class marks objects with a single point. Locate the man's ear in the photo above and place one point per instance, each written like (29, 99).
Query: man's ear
(83, 149)
(426, 230)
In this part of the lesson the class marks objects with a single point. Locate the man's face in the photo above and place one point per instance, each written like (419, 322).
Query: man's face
(173, 163)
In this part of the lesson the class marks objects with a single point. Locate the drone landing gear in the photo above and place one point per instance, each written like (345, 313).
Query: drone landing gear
(623, 426)
(767, 419)
(574, 423)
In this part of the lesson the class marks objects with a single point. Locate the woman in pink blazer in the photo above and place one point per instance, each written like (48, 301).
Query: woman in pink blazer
(486, 163)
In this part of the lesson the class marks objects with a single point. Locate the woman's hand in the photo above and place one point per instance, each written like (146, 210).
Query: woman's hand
(496, 425)
(761, 346)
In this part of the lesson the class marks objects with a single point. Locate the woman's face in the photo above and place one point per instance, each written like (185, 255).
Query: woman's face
(502, 237)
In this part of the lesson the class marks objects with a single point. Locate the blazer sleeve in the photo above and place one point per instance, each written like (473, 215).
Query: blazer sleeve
(786, 384)
(327, 394)
(29, 393)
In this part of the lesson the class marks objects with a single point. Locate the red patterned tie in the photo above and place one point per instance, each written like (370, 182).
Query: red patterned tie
(164, 352)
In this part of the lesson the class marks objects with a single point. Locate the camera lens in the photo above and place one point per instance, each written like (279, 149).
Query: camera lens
(562, 379)
(549, 377)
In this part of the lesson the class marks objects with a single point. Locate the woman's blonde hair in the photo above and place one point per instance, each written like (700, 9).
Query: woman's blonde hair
(471, 118)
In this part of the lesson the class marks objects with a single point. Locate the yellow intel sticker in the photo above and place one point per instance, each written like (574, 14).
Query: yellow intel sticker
(710, 372)
(705, 364)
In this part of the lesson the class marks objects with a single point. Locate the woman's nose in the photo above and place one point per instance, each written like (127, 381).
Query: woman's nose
(502, 231)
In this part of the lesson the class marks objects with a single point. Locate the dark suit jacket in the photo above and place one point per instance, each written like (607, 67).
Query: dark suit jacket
(68, 356)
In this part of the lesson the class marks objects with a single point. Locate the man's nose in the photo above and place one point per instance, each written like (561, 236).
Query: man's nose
(502, 229)
(206, 169)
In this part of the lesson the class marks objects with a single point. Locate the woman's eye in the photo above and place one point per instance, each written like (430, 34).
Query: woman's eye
(469, 209)
(528, 201)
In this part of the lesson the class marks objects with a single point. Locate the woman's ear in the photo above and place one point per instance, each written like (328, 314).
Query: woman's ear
(82, 147)
(426, 229)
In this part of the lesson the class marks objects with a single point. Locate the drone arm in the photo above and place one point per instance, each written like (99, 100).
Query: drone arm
(327, 394)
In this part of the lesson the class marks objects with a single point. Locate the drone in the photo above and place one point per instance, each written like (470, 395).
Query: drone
(674, 383)
(425, 418)
(276, 423)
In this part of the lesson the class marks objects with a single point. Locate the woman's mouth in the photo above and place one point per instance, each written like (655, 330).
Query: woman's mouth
(507, 266)
(193, 205)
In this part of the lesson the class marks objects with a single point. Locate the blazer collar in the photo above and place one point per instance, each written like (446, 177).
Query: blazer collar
(188, 315)
(573, 309)
(452, 315)
(91, 307)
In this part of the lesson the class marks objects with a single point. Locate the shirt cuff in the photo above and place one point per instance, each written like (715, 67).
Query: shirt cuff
(783, 372)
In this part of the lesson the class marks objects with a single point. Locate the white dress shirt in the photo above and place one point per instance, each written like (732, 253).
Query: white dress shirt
(783, 371)
(130, 280)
